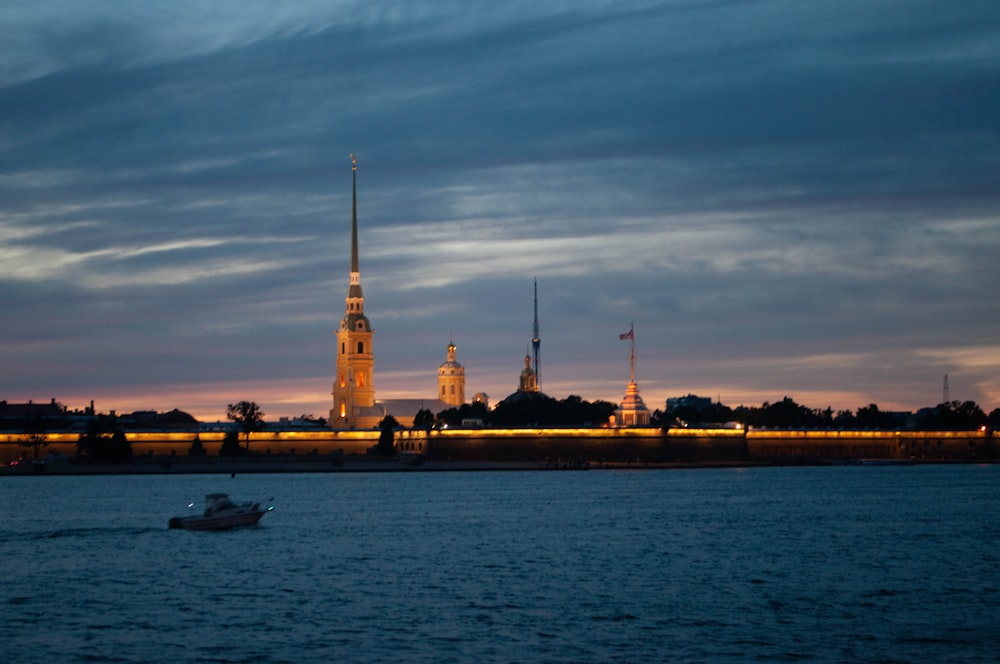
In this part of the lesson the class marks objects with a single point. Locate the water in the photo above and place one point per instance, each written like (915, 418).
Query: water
(880, 564)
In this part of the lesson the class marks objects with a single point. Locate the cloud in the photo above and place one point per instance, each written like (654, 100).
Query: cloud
(786, 199)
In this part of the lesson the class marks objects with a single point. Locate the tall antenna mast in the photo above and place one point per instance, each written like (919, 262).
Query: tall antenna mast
(536, 341)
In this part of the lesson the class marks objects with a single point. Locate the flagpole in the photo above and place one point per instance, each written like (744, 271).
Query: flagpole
(631, 334)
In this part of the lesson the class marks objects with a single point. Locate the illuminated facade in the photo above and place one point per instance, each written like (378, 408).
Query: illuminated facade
(632, 411)
(354, 387)
(451, 379)
(529, 379)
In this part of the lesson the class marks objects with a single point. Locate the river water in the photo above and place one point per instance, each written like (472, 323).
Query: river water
(838, 564)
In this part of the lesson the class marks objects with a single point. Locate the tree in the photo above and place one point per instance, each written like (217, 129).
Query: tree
(696, 411)
(955, 416)
(870, 417)
(321, 421)
(845, 419)
(453, 417)
(576, 411)
(196, 449)
(248, 416)
(231, 444)
(386, 443)
(525, 409)
(34, 433)
(104, 440)
(424, 419)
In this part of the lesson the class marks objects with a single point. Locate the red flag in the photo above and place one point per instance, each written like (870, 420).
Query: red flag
(628, 335)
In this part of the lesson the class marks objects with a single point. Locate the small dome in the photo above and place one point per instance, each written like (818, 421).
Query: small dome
(356, 322)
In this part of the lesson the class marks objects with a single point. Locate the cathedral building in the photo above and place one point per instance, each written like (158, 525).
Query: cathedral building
(354, 386)
(354, 402)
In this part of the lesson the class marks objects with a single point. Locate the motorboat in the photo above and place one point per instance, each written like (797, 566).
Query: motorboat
(221, 513)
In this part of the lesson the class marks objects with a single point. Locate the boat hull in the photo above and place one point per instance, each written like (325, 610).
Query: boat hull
(217, 522)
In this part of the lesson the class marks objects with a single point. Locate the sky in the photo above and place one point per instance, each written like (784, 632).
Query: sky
(784, 198)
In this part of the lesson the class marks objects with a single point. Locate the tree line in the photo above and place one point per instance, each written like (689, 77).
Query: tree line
(787, 414)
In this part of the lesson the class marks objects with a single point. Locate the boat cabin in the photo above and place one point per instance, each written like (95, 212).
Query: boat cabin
(214, 502)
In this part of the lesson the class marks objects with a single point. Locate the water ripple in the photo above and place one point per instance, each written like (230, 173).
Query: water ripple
(793, 564)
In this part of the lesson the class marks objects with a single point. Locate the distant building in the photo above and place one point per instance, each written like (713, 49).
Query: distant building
(451, 379)
(529, 379)
(632, 411)
(689, 401)
(21, 416)
(528, 398)
(150, 420)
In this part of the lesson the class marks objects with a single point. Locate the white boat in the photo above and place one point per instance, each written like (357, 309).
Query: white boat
(221, 513)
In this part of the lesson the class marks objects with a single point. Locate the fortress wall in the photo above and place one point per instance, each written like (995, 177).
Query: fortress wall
(626, 445)
(642, 444)
(948, 445)
(785, 446)
(178, 444)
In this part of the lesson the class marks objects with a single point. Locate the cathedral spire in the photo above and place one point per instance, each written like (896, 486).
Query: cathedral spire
(355, 269)
(353, 388)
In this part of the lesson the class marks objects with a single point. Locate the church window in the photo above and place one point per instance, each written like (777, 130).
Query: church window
(442, 390)
(343, 348)
(361, 325)
(343, 380)
(343, 409)
(453, 390)
(361, 379)
(361, 347)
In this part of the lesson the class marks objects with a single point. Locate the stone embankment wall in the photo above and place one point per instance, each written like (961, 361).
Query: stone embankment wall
(180, 443)
(791, 446)
(565, 445)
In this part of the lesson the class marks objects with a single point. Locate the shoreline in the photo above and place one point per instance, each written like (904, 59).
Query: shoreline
(368, 465)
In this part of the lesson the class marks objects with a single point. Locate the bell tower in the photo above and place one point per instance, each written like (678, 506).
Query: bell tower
(451, 379)
(353, 387)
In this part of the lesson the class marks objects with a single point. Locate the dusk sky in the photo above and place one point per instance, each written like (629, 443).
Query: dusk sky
(787, 198)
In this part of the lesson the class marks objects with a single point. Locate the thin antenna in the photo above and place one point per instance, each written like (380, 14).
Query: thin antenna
(536, 341)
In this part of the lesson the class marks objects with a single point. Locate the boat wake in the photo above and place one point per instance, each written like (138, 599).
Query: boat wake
(85, 532)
